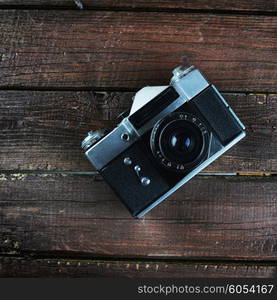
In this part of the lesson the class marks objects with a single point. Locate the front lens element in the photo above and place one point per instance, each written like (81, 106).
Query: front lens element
(181, 141)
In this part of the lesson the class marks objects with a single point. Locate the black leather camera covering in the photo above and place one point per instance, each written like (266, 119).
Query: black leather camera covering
(217, 115)
(126, 184)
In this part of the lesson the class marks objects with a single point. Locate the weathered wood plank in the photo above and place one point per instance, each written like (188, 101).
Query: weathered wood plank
(210, 217)
(43, 130)
(62, 49)
(22, 267)
(247, 5)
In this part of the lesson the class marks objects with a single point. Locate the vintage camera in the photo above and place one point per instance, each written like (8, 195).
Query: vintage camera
(169, 135)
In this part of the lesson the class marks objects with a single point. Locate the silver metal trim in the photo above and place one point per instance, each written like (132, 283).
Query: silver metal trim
(180, 72)
(100, 154)
(191, 84)
(92, 138)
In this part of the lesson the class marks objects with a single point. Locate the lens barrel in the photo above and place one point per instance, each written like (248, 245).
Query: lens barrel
(180, 141)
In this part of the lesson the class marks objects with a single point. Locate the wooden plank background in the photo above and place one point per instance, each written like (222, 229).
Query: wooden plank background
(77, 49)
(49, 127)
(64, 71)
(235, 215)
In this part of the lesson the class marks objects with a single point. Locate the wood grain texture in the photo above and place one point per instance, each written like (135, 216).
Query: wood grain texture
(232, 5)
(61, 49)
(44, 130)
(209, 218)
(24, 267)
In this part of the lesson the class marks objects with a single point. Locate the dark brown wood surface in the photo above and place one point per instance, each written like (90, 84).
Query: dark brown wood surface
(48, 127)
(65, 71)
(234, 215)
(242, 5)
(77, 49)
(11, 267)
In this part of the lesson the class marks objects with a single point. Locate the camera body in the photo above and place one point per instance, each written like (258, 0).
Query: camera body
(169, 135)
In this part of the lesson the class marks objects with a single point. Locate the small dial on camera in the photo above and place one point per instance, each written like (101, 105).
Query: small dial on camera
(179, 142)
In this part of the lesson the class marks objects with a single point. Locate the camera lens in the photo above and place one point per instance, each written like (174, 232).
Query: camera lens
(179, 141)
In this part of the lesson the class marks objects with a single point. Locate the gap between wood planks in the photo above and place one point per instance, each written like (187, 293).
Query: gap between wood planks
(133, 52)
(23, 266)
(81, 6)
(34, 172)
(110, 89)
(33, 255)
